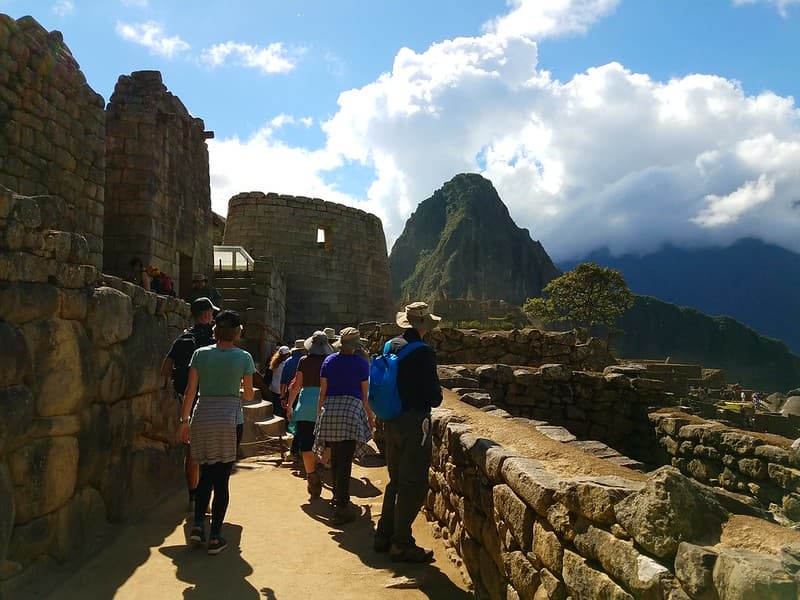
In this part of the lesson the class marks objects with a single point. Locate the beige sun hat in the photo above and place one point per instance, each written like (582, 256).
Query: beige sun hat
(318, 344)
(349, 338)
(331, 333)
(417, 315)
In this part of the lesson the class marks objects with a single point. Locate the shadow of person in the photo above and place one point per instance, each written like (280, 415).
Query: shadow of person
(363, 488)
(357, 538)
(210, 576)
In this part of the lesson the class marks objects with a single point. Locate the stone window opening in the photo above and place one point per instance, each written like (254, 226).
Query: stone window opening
(324, 238)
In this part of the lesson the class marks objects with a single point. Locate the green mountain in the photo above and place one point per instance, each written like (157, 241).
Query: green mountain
(657, 329)
(462, 243)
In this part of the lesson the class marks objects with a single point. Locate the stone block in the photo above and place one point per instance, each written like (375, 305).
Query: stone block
(7, 510)
(74, 304)
(595, 497)
(61, 362)
(584, 582)
(515, 513)
(703, 470)
(109, 317)
(669, 509)
(496, 457)
(32, 539)
(564, 522)
(694, 567)
(491, 542)
(753, 467)
(641, 575)
(77, 522)
(16, 414)
(14, 355)
(547, 547)
(744, 575)
(531, 482)
(552, 587)
(23, 302)
(491, 576)
(44, 473)
(786, 477)
(522, 575)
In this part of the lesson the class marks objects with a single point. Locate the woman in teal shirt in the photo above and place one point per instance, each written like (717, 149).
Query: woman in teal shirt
(218, 372)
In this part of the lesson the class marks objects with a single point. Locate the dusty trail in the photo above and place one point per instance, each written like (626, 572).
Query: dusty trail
(280, 547)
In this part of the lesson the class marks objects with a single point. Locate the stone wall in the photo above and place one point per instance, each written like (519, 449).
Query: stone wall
(266, 302)
(52, 128)
(339, 282)
(531, 347)
(762, 466)
(523, 531)
(612, 407)
(87, 435)
(158, 195)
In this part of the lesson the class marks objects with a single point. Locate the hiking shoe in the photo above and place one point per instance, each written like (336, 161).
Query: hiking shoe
(381, 543)
(411, 554)
(314, 485)
(344, 514)
(197, 535)
(216, 544)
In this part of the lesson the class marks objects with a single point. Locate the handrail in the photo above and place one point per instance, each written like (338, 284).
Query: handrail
(232, 258)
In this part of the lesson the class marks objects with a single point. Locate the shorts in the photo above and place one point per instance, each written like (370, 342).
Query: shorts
(304, 432)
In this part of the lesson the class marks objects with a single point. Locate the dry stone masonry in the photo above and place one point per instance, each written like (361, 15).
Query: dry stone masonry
(333, 257)
(52, 128)
(87, 435)
(158, 195)
(522, 530)
(761, 466)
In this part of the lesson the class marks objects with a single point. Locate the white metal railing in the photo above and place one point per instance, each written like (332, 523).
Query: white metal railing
(232, 258)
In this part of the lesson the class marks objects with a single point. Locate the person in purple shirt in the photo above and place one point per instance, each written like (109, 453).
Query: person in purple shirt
(345, 419)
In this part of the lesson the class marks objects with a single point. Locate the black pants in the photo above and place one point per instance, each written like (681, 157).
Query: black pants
(342, 466)
(408, 457)
(212, 477)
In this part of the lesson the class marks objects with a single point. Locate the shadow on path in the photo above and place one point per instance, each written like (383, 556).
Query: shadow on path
(357, 538)
(215, 577)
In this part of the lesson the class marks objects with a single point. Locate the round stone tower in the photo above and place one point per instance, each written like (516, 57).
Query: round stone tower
(333, 257)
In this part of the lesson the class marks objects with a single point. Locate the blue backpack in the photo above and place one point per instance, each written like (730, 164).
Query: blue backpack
(384, 397)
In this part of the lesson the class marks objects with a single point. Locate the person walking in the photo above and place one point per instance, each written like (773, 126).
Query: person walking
(201, 289)
(216, 374)
(408, 438)
(176, 367)
(305, 389)
(276, 364)
(345, 419)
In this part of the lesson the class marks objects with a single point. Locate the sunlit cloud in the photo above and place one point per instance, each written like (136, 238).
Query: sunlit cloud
(151, 35)
(274, 58)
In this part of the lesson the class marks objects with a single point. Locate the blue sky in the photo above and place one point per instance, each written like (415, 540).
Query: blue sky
(624, 124)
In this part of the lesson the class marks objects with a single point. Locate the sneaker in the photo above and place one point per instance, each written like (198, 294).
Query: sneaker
(344, 514)
(216, 544)
(314, 485)
(197, 535)
(381, 543)
(411, 554)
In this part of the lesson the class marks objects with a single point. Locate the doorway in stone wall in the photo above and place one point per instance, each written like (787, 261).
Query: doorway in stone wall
(185, 273)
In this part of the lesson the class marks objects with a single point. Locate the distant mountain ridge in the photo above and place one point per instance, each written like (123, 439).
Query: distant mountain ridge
(657, 329)
(462, 243)
(752, 281)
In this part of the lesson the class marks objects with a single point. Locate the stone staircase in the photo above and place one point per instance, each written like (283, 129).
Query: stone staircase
(264, 433)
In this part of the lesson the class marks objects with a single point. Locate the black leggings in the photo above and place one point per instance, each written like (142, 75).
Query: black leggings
(342, 466)
(214, 476)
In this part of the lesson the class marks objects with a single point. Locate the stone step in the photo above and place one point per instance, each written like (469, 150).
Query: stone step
(272, 427)
(257, 411)
(256, 396)
(273, 445)
(236, 304)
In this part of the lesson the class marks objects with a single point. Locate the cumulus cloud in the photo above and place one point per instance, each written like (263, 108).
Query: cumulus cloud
(551, 18)
(781, 5)
(150, 34)
(275, 58)
(63, 7)
(608, 158)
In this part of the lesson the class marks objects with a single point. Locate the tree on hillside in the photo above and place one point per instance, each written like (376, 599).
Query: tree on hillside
(586, 296)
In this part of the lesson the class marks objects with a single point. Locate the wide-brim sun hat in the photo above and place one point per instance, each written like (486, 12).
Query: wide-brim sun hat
(417, 315)
(330, 333)
(318, 344)
(349, 338)
(299, 345)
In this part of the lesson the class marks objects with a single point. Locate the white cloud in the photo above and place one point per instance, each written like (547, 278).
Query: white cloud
(275, 58)
(781, 5)
(63, 7)
(137, 3)
(609, 158)
(550, 18)
(151, 35)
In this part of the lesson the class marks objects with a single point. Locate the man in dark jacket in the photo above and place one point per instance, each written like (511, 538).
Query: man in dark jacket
(408, 438)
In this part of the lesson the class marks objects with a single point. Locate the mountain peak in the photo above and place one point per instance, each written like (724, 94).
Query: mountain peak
(462, 243)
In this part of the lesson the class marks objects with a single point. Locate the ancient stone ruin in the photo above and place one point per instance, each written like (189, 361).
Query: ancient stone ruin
(556, 473)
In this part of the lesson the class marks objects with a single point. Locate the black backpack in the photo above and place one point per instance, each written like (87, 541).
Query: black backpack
(181, 353)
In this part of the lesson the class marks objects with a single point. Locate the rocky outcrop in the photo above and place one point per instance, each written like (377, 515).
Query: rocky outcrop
(462, 243)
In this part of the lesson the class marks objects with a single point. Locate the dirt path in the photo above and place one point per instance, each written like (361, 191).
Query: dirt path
(280, 547)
